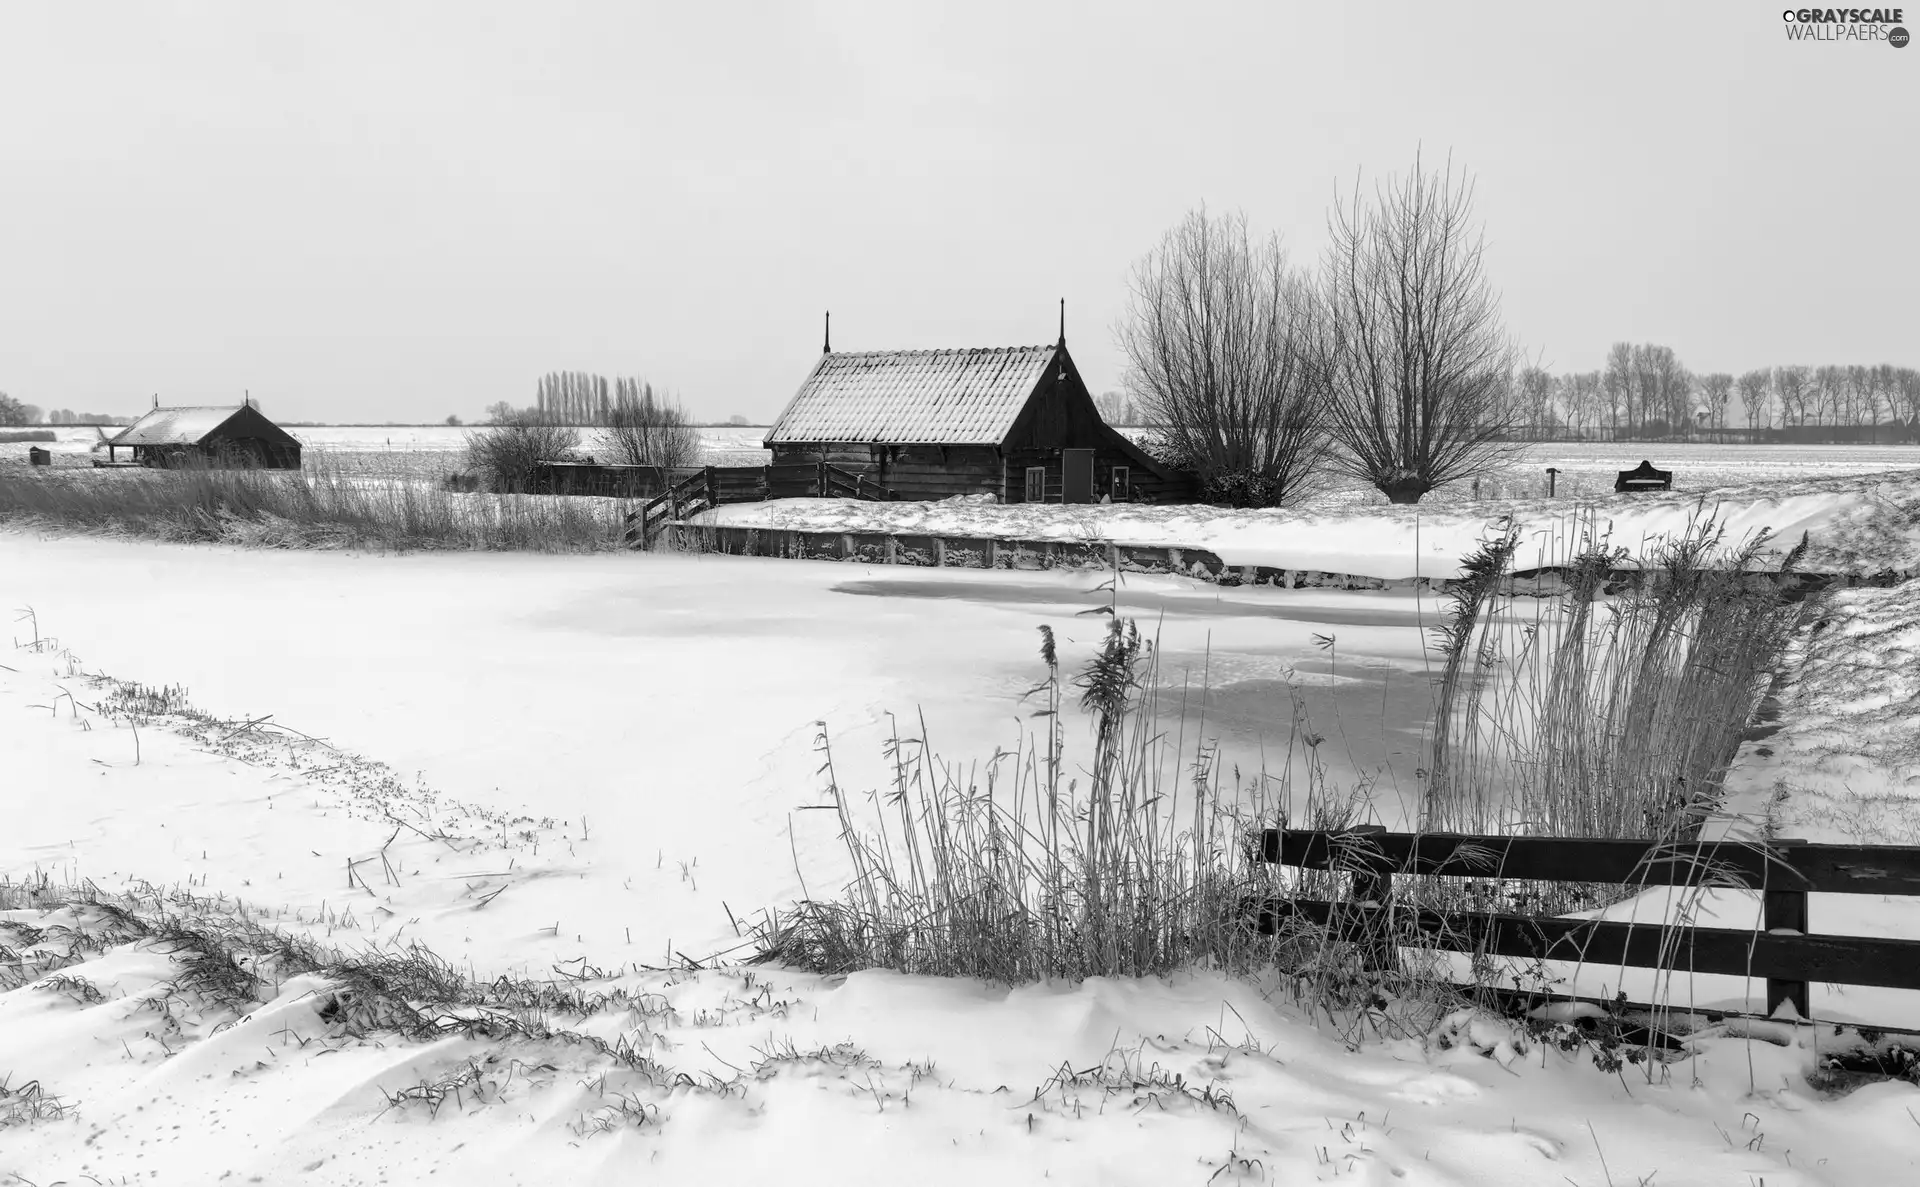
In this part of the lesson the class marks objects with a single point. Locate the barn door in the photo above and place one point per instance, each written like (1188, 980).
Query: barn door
(1076, 476)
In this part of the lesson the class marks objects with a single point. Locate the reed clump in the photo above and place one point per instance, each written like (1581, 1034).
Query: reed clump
(1021, 870)
(1612, 711)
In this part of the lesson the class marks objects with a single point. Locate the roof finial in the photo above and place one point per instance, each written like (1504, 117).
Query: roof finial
(826, 345)
(1063, 321)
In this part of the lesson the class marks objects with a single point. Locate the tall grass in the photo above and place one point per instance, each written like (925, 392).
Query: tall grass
(321, 507)
(1613, 711)
(1019, 870)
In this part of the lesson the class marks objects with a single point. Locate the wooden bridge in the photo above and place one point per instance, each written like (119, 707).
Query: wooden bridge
(714, 486)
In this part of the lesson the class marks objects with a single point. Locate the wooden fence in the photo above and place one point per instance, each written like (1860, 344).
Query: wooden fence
(730, 484)
(1784, 872)
(713, 486)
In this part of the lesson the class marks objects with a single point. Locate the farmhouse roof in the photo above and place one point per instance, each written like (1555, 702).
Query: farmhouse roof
(914, 397)
(189, 426)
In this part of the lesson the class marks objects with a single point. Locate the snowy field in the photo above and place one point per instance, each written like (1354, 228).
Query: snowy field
(576, 765)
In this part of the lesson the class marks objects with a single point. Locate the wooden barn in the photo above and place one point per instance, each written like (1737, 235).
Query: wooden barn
(1014, 422)
(231, 437)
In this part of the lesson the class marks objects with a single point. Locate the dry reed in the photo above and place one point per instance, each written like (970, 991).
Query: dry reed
(321, 507)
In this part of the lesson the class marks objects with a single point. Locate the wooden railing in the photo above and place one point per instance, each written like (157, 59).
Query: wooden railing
(1784, 872)
(836, 483)
(689, 496)
(714, 486)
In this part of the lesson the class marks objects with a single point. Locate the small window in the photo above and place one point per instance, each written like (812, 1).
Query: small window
(1036, 484)
(1121, 477)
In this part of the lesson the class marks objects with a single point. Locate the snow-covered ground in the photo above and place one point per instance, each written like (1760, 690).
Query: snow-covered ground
(581, 764)
(1859, 524)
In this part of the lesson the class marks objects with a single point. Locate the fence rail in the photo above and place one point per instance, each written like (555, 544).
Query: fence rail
(1784, 872)
(714, 486)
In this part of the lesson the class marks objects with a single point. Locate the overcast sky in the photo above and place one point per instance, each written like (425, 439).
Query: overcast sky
(395, 211)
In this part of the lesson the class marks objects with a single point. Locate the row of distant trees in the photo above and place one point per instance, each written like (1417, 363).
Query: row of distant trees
(1645, 389)
(14, 414)
(1389, 360)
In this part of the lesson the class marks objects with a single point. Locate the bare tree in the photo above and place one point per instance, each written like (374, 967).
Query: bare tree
(1414, 358)
(1826, 392)
(1753, 389)
(12, 412)
(1219, 331)
(1535, 388)
(1582, 398)
(1905, 384)
(1617, 379)
(1792, 384)
(1672, 390)
(1715, 391)
(1112, 407)
(644, 428)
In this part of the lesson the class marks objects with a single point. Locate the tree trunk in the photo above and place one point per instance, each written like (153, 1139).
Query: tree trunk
(1403, 490)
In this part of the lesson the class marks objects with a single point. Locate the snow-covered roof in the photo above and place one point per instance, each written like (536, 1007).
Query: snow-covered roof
(193, 425)
(175, 426)
(914, 397)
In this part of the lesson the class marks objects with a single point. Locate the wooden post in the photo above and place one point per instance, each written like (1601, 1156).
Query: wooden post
(893, 549)
(766, 483)
(1784, 912)
(1378, 950)
(713, 489)
(939, 552)
(846, 546)
(993, 552)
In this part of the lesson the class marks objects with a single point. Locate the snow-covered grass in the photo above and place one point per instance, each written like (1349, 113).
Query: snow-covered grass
(135, 1068)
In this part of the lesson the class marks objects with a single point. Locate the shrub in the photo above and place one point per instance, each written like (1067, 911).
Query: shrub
(504, 454)
(647, 430)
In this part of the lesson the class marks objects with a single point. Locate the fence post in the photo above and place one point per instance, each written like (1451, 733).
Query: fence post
(713, 489)
(1784, 912)
(1377, 949)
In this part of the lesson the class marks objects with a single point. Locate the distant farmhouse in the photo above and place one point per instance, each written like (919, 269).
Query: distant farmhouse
(1014, 422)
(229, 437)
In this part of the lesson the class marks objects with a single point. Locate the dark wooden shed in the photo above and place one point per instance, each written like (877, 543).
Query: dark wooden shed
(233, 436)
(1014, 422)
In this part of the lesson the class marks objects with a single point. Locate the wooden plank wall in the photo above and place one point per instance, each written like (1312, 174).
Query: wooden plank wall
(911, 471)
(1144, 485)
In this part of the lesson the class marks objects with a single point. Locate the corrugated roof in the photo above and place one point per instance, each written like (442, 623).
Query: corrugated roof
(913, 397)
(175, 426)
